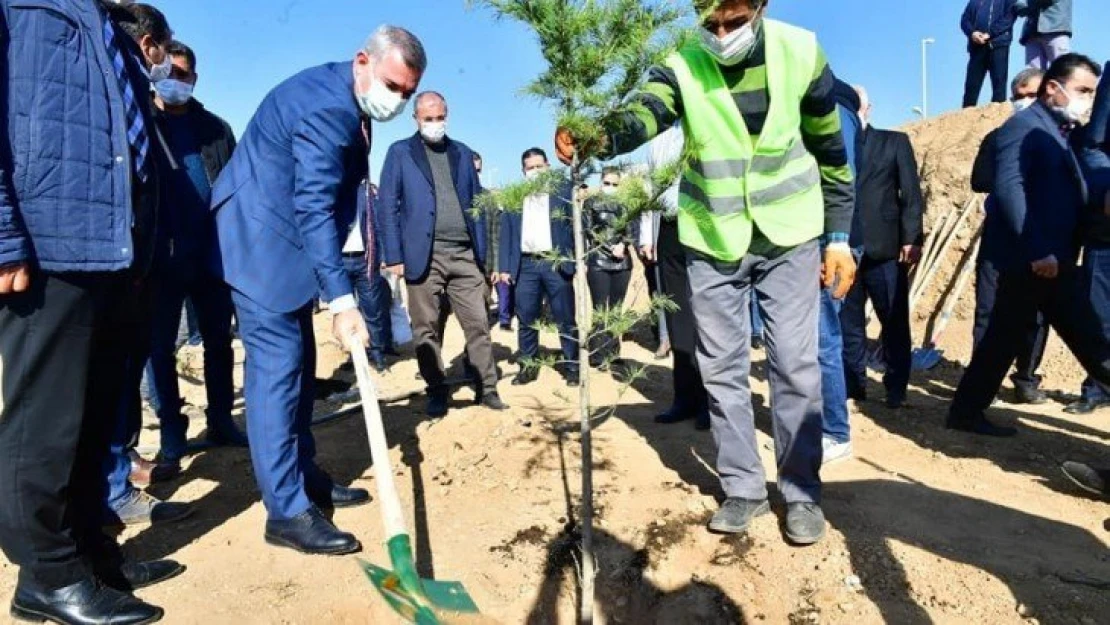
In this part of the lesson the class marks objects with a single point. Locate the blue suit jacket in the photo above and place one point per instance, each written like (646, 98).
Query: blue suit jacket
(1039, 191)
(562, 234)
(1094, 149)
(406, 207)
(285, 201)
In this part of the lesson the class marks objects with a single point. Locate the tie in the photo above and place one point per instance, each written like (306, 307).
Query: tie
(136, 128)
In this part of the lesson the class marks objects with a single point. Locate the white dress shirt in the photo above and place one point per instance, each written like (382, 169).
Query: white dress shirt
(535, 229)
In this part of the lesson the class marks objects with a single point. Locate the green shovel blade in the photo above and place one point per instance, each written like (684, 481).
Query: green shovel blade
(417, 600)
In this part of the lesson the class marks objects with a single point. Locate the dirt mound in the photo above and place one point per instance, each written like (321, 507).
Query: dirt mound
(945, 147)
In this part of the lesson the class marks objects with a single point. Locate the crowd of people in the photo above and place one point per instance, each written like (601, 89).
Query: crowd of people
(124, 202)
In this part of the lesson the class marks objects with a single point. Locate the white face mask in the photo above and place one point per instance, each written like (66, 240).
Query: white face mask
(433, 132)
(608, 190)
(1023, 103)
(1077, 110)
(379, 103)
(532, 174)
(162, 71)
(174, 92)
(733, 48)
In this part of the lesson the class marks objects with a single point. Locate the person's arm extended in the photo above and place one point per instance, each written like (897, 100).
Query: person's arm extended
(654, 108)
(822, 137)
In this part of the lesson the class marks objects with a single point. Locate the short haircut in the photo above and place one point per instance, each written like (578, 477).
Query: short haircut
(530, 152)
(176, 48)
(139, 20)
(610, 170)
(423, 95)
(1024, 77)
(477, 156)
(388, 37)
(1063, 68)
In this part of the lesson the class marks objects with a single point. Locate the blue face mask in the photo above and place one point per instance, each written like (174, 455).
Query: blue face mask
(174, 92)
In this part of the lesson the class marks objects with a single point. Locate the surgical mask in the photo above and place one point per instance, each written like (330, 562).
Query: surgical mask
(174, 92)
(608, 190)
(532, 174)
(1023, 103)
(433, 132)
(380, 103)
(1076, 111)
(158, 73)
(733, 48)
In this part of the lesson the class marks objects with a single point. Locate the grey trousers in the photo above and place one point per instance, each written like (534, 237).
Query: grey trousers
(454, 273)
(786, 290)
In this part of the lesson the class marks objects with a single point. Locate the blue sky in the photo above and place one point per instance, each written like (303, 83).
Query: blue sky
(246, 47)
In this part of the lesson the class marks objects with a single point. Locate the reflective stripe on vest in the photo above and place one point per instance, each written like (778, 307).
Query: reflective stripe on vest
(736, 183)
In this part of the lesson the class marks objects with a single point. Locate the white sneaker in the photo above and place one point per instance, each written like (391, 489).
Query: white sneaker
(835, 451)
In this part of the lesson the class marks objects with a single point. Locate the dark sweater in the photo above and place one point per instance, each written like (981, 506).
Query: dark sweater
(450, 222)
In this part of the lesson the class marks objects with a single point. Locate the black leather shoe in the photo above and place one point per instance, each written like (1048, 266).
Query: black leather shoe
(757, 343)
(1031, 396)
(493, 402)
(980, 425)
(675, 414)
(340, 497)
(572, 377)
(378, 364)
(131, 576)
(526, 376)
(895, 401)
(81, 603)
(230, 436)
(437, 405)
(1086, 406)
(310, 532)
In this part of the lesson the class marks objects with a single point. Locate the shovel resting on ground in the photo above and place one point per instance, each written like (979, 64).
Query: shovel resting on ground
(420, 601)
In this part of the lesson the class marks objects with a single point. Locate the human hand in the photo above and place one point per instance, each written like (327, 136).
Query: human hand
(838, 271)
(14, 278)
(565, 146)
(1047, 267)
(618, 251)
(910, 254)
(506, 278)
(396, 270)
(348, 324)
(647, 253)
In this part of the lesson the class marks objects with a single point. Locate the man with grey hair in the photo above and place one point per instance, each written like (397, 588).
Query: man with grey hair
(433, 238)
(289, 191)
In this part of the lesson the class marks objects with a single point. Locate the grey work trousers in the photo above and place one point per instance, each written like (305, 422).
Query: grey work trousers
(786, 290)
(455, 274)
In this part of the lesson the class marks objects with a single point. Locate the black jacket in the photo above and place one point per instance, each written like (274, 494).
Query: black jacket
(184, 239)
(601, 219)
(889, 206)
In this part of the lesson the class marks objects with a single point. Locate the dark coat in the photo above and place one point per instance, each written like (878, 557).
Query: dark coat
(406, 207)
(889, 206)
(562, 234)
(994, 17)
(1094, 149)
(601, 218)
(1039, 191)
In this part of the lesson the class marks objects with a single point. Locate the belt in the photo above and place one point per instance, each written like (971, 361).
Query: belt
(354, 254)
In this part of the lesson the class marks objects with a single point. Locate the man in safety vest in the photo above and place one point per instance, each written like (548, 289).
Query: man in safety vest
(770, 186)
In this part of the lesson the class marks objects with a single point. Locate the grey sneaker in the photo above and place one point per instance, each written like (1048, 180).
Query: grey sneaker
(834, 451)
(141, 508)
(736, 514)
(805, 523)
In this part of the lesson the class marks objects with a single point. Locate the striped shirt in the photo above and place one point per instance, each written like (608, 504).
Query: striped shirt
(658, 105)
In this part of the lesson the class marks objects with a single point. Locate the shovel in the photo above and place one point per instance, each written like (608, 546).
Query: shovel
(420, 601)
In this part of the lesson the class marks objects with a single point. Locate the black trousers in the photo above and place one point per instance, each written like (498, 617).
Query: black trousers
(64, 350)
(1030, 347)
(887, 284)
(689, 391)
(981, 60)
(1020, 296)
(607, 291)
(652, 278)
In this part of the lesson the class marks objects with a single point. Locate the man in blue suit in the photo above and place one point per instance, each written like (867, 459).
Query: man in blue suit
(541, 227)
(1041, 200)
(283, 207)
(433, 238)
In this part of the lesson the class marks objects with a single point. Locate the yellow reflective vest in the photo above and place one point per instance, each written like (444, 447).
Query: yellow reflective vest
(733, 182)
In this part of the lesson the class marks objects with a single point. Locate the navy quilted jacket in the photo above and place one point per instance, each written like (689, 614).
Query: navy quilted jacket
(65, 166)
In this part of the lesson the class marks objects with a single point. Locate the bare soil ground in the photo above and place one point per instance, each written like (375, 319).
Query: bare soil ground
(926, 526)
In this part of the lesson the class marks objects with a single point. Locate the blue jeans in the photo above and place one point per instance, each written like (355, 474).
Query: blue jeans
(374, 302)
(1096, 280)
(830, 355)
(212, 303)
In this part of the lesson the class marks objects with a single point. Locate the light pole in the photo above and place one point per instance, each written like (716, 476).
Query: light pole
(925, 76)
